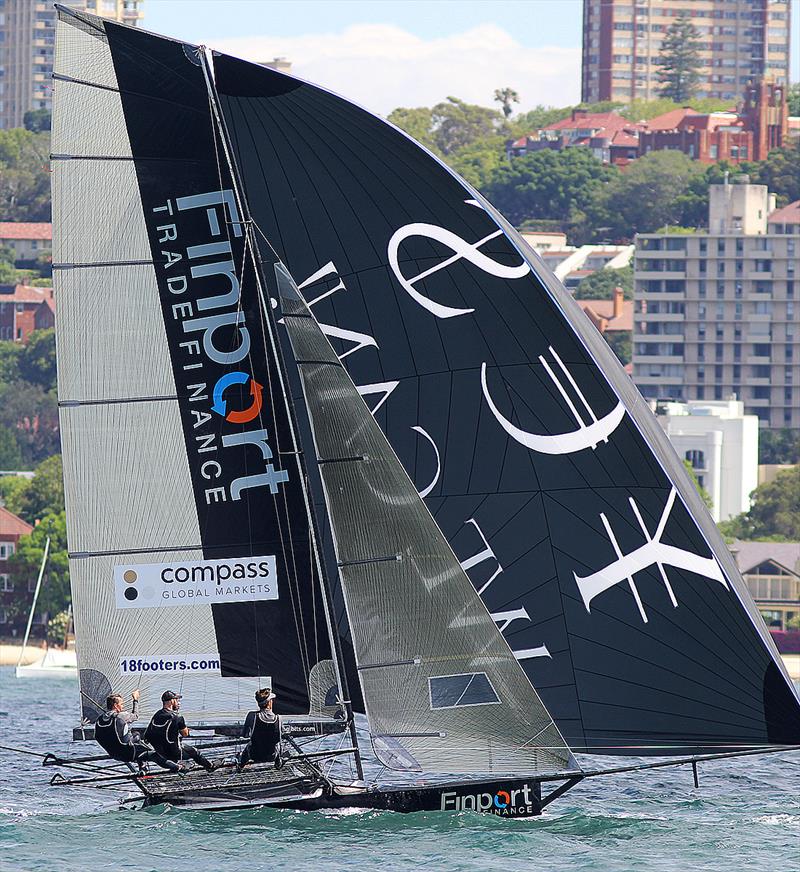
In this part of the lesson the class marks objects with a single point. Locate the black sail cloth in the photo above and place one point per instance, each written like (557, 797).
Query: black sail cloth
(551, 481)
(245, 477)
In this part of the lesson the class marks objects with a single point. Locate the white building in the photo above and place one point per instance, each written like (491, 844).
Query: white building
(721, 443)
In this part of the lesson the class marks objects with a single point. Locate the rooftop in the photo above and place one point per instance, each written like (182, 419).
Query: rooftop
(752, 554)
(787, 215)
(26, 230)
(26, 294)
(11, 525)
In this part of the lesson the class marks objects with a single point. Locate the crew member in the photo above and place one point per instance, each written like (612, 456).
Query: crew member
(263, 728)
(113, 732)
(167, 729)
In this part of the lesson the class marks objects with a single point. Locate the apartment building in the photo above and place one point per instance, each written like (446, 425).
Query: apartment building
(721, 443)
(27, 44)
(716, 312)
(741, 40)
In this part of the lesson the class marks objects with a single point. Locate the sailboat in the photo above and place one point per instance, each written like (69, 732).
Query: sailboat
(330, 426)
(55, 662)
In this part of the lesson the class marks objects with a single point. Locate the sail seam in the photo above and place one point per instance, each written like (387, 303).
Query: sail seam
(106, 263)
(392, 559)
(82, 555)
(114, 401)
(119, 157)
(184, 106)
(415, 662)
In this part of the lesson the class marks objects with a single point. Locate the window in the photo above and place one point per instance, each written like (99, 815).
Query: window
(6, 584)
(4, 617)
(456, 691)
(6, 550)
(697, 458)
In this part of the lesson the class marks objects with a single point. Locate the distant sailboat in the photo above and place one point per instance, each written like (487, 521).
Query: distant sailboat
(55, 662)
(502, 564)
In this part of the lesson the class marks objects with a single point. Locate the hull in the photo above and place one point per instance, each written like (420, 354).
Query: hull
(53, 664)
(512, 798)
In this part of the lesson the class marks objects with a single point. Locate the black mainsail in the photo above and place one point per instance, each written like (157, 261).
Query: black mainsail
(536, 455)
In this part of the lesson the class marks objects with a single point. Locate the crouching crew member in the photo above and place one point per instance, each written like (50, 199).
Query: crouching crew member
(112, 731)
(263, 728)
(166, 732)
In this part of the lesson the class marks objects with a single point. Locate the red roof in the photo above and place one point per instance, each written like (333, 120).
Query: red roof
(605, 309)
(670, 120)
(11, 525)
(593, 121)
(25, 294)
(26, 230)
(787, 215)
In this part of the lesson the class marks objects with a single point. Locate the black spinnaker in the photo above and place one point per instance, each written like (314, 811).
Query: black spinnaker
(536, 455)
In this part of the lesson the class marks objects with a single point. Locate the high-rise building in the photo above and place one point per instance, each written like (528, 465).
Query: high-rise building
(27, 43)
(716, 311)
(742, 40)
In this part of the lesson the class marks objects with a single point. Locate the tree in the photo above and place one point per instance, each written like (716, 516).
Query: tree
(456, 124)
(793, 99)
(600, 284)
(621, 343)
(32, 413)
(55, 594)
(506, 96)
(779, 446)
(10, 455)
(417, 123)
(24, 175)
(700, 489)
(479, 161)
(37, 120)
(647, 195)
(547, 184)
(780, 172)
(12, 491)
(37, 363)
(774, 511)
(45, 494)
(680, 60)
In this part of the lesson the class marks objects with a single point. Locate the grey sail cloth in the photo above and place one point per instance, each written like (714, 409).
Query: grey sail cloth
(436, 674)
(541, 464)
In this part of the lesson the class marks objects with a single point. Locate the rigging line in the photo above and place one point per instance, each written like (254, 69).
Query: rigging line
(295, 598)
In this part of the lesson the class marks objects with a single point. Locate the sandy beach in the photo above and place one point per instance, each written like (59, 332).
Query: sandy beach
(9, 654)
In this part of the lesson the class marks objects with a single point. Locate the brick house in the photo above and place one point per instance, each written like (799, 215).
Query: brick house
(23, 310)
(14, 603)
(29, 240)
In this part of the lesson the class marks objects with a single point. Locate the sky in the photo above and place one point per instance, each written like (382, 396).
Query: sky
(388, 53)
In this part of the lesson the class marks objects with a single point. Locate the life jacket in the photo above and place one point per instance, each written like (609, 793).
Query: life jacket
(265, 738)
(108, 737)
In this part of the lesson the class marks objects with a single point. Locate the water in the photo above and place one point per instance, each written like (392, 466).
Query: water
(745, 814)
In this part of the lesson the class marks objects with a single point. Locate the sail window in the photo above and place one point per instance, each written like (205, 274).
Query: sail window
(453, 691)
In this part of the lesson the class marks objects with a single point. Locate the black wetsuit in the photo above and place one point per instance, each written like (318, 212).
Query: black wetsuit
(164, 734)
(113, 733)
(263, 728)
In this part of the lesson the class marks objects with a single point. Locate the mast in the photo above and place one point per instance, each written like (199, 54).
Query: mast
(35, 600)
(297, 451)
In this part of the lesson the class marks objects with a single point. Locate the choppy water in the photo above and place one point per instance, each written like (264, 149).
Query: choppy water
(746, 815)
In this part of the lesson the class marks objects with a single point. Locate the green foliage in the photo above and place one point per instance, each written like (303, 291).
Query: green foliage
(506, 96)
(600, 284)
(24, 175)
(417, 123)
(25, 563)
(621, 343)
(793, 99)
(700, 489)
(58, 626)
(10, 455)
(480, 161)
(37, 363)
(774, 511)
(793, 623)
(44, 494)
(37, 120)
(32, 414)
(8, 274)
(779, 446)
(647, 195)
(12, 491)
(450, 125)
(679, 60)
(457, 124)
(547, 184)
(644, 110)
(780, 172)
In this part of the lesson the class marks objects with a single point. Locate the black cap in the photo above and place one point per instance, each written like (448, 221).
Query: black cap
(170, 695)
